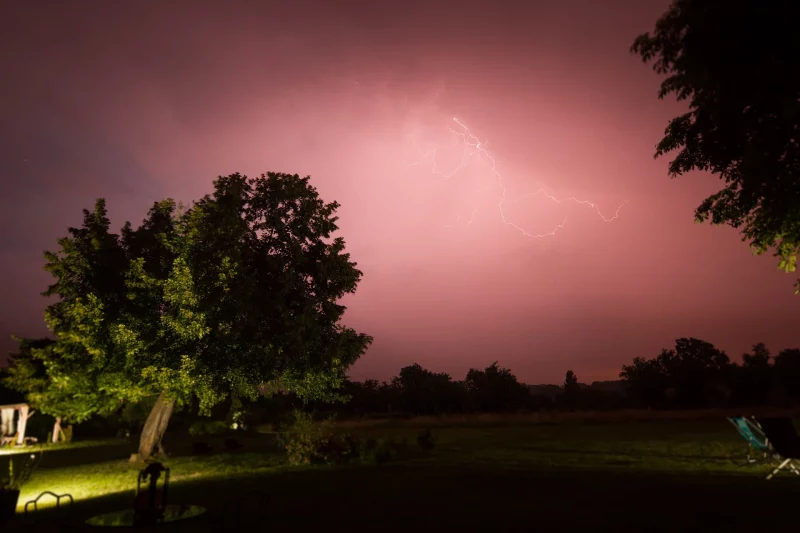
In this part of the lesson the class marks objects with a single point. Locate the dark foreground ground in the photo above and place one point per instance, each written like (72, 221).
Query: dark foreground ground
(659, 476)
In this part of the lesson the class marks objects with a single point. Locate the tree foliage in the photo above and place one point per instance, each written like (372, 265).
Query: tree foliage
(494, 389)
(238, 291)
(418, 391)
(424, 392)
(572, 389)
(571, 383)
(738, 66)
(693, 374)
(786, 381)
(753, 381)
(73, 398)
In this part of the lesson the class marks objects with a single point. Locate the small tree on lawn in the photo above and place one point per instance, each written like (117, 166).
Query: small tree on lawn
(237, 292)
(67, 400)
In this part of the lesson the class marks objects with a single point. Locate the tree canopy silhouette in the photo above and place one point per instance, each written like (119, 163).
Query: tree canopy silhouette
(494, 389)
(235, 293)
(738, 65)
(424, 392)
(693, 374)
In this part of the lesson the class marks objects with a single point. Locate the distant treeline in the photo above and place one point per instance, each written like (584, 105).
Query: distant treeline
(693, 374)
(696, 374)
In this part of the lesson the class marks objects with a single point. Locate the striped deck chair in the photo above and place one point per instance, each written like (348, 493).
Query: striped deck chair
(758, 446)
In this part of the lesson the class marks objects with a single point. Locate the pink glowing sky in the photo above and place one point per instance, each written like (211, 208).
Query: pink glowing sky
(141, 102)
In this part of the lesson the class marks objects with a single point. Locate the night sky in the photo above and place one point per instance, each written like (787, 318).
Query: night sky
(136, 101)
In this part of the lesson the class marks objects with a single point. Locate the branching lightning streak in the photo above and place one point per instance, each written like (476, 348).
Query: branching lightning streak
(474, 146)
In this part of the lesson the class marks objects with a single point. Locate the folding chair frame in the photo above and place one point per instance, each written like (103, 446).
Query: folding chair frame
(789, 463)
(760, 456)
(771, 455)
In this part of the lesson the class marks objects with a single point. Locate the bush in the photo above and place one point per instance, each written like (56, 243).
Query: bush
(380, 451)
(308, 442)
(208, 427)
(301, 439)
(338, 449)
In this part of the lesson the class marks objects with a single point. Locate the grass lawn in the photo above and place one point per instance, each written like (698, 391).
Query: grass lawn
(95, 443)
(631, 476)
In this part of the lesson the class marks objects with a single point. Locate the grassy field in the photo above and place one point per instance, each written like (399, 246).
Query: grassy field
(665, 475)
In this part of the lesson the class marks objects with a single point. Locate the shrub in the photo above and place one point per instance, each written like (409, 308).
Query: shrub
(380, 451)
(301, 439)
(207, 427)
(338, 449)
(391, 450)
(308, 442)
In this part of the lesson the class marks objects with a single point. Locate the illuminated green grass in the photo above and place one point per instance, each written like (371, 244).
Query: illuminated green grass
(116, 477)
(644, 447)
(93, 443)
(472, 470)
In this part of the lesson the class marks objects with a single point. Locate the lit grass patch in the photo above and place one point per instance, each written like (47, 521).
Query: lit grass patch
(118, 477)
(46, 447)
(644, 447)
(653, 448)
(483, 477)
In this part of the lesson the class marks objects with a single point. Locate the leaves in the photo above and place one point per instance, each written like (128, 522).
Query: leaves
(237, 291)
(688, 370)
(180, 302)
(738, 66)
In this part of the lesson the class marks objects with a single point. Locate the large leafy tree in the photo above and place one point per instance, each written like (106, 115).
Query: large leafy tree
(737, 63)
(235, 295)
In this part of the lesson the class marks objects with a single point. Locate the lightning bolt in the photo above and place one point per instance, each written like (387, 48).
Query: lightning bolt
(473, 146)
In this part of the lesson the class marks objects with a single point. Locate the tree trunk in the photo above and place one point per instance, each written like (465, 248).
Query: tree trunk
(56, 429)
(22, 422)
(155, 427)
